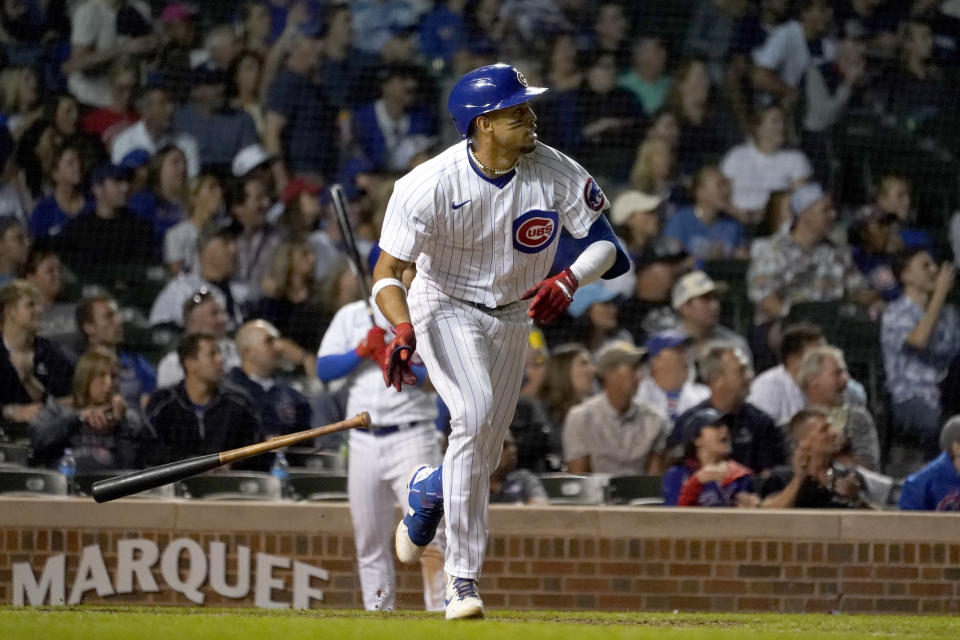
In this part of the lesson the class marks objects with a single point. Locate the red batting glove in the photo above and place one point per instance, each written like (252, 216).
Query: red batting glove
(396, 357)
(551, 297)
(373, 345)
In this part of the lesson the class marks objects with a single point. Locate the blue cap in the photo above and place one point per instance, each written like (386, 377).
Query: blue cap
(669, 339)
(135, 159)
(589, 295)
(108, 171)
(693, 422)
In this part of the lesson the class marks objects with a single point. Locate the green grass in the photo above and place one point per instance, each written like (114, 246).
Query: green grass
(141, 623)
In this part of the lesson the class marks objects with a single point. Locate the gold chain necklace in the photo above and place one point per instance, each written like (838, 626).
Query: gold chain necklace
(483, 167)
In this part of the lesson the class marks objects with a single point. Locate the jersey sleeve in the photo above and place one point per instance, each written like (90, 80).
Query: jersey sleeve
(337, 338)
(579, 199)
(409, 220)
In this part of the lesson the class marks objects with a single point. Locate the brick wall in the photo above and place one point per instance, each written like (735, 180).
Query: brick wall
(613, 558)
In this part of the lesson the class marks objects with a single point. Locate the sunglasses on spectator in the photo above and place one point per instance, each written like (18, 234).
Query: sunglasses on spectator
(196, 299)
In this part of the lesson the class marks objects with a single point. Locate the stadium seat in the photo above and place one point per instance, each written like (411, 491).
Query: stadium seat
(635, 490)
(318, 461)
(85, 484)
(14, 454)
(568, 488)
(32, 482)
(308, 485)
(233, 485)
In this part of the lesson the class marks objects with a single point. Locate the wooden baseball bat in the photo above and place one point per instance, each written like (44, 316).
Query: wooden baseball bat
(125, 485)
(338, 198)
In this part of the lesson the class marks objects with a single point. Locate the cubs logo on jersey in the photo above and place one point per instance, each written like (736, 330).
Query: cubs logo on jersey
(534, 231)
(593, 195)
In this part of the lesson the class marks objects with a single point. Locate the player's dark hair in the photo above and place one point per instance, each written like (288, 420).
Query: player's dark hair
(796, 337)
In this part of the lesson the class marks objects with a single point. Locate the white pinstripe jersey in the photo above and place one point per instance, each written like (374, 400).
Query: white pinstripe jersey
(478, 239)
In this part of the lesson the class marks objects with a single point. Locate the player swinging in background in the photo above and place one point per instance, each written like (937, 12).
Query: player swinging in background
(481, 220)
(403, 434)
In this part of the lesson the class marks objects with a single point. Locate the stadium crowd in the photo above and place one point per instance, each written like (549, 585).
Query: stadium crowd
(783, 174)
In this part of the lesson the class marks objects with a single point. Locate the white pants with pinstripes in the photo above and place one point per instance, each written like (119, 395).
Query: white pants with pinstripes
(379, 469)
(475, 361)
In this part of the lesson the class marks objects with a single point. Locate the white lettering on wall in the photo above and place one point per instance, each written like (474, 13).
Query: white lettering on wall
(265, 581)
(91, 574)
(218, 571)
(128, 566)
(302, 591)
(51, 584)
(196, 569)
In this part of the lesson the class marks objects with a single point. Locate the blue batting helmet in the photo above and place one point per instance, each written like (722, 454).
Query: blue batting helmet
(495, 86)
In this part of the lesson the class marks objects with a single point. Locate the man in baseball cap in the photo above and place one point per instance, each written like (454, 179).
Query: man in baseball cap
(696, 301)
(657, 269)
(637, 217)
(669, 386)
(936, 487)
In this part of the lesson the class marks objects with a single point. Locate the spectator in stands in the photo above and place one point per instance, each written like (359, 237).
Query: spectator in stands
(44, 271)
(257, 240)
(155, 129)
(20, 99)
(178, 32)
(829, 89)
(164, 202)
(442, 29)
(280, 408)
(803, 266)
(67, 202)
(374, 23)
(647, 77)
(32, 368)
(99, 322)
(613, 432)
(217, 264)
(107, 121)
(822, 376)
(696, 300)
(706, 476)
(812, 481)
(757, 442)
(531, 429)
(917, 89)
(571, 376)
(98, 426)
(95, 41)
(657, 269)
(706, 228)
(296, 104)
(14, 247)
(304, 219)
(221, 47)
(561, 71)
(110, 235)
(893, 196)
(668, 385)
(711, 31)
(762, 165)
(347, 71)
(920, 336)
(705, 132)
(385, 128)
(35, 152)
(610, 29)
(292, 300)
(202, 313)
(653, 173)
(220, 130)
(245, 87)
(875, 19)
(200, 415)
(776, 219)
(776, 391)
(874, 239)
(592, 319)
(255, 26)
(791, 50)
(180, 241)
(510, 485)
(936, 487)
(14, 195)
(636, 216)
(665, 124)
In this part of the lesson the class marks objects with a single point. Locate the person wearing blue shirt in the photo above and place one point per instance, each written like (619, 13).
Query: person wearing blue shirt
(936, 487)
(442, 30)
(67, 202)
(704, 228)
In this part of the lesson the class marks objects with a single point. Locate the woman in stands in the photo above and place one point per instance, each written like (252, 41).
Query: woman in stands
(67, 202)
(99, 428)
(165, 201)
(180, 242)
(571, 377)
(58, 322)
(292, 299)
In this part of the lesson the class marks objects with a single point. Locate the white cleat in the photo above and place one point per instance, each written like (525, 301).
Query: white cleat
(430, 506)
(462, 599)
(407, 551)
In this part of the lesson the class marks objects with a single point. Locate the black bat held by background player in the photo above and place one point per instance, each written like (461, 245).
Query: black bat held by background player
(120, 486)
(339, 199)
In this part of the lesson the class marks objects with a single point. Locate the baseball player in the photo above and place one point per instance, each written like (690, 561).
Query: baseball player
(403, 434)
(481, 222)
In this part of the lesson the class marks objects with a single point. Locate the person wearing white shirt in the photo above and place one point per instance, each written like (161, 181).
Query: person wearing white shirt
(782, 61)
(761, 165)
(154, 130)
(667, 385)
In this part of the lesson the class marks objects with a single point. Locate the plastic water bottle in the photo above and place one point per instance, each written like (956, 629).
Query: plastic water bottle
(68, 469)
(281, 471)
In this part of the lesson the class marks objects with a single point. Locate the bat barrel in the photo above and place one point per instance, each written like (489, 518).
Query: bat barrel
(131, 483)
